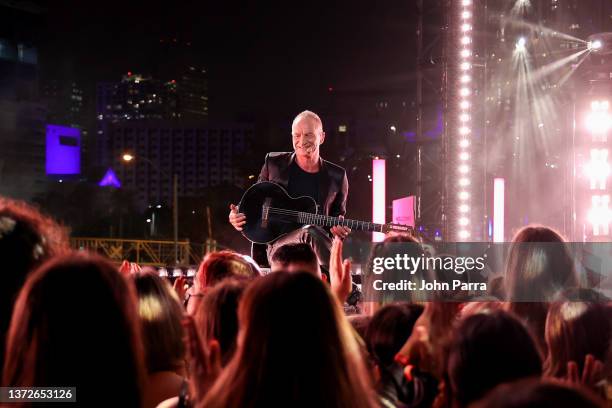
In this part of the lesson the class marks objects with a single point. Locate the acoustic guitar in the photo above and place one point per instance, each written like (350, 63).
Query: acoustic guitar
(271, 213)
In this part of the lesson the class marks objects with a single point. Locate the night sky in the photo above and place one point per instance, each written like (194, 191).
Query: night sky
(262, 57)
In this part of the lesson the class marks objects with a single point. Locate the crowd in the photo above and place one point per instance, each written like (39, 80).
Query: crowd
(123, 336)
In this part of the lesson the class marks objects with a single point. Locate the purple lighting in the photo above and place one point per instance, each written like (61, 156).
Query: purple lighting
(110, 180)
(63, 150)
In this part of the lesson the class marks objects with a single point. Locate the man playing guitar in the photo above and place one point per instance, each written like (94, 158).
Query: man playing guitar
(305, 173)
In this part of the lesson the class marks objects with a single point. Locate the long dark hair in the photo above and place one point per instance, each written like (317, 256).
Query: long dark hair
(573, 330)
(217, 315)
(295, 348)
(75, 324)
(537, 272)
(487, 350)
(160, 314)
(27, 239)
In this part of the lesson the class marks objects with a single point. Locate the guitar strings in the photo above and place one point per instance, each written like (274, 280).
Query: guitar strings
(325, 217)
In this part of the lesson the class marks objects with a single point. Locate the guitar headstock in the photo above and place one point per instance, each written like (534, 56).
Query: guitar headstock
(400, 228)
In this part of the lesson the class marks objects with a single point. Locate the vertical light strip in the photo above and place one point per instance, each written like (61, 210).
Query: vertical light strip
(378, 196)
(598, 123)
(498, 209)
(464, 128)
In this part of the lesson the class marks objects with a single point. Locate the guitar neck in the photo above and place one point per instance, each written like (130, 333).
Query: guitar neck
(327, 221)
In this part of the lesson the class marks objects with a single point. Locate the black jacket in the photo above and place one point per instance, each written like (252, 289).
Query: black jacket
(333, 188)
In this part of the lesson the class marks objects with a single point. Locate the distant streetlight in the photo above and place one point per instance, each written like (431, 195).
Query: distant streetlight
(127, 157)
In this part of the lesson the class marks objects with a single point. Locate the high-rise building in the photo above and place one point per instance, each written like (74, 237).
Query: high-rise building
(192, 93)
(140, 97)
(200, 155)
(65, 100)
(22, 116)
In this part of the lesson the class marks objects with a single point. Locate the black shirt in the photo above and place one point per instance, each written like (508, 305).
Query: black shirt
(302, 183)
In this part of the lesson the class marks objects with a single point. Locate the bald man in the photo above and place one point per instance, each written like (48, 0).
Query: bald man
(304, 173)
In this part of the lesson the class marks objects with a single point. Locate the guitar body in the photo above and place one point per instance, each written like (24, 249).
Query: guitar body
(261, 227)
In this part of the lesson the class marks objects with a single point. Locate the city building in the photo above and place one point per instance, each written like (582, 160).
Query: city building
(22, 115)
(141, 97)
(201, 155)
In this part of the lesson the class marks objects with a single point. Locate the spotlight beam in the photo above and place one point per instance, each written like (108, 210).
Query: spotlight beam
(548, 69)
(537, 28)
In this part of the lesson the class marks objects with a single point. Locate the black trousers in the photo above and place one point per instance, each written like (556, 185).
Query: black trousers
(313, 235)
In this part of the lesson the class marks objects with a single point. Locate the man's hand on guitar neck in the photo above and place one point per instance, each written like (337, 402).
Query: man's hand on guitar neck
(340, 231)
(236, 218)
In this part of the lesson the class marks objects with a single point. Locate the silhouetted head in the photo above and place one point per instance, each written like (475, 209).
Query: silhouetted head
(295, 257)
(217, 315)
(573, 330)
(295, 348)
(536, 393)
(75, 323)
(487, 350)
(161, 316)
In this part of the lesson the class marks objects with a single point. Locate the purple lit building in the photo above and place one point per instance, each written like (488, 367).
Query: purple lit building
(63, 151)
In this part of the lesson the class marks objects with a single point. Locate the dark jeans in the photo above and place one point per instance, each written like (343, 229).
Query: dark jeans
(313, 235)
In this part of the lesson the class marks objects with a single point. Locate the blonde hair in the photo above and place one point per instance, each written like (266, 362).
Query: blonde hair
(310, 115)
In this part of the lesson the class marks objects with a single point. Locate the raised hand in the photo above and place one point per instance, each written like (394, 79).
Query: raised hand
(128, 268)
(340, 278)
(592, 372)
(236, 218)
(180, 287)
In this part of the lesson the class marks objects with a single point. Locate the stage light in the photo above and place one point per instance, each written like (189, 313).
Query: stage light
(594, 45)
(598, 122)
(600, 105)
(127, 157)
(598, 169)
(464, 169)
(463, 79)
(599, 215)
(378, 196)
(463, 234)
(498, 209)
(520, 44)
(464, 130)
